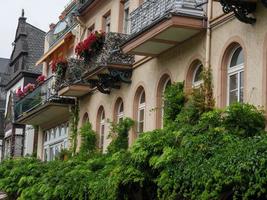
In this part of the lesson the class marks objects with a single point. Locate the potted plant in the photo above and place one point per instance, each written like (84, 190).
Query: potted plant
(40, 79)
(29, 88)
(59, 67)
(91, 45)
(20, 93)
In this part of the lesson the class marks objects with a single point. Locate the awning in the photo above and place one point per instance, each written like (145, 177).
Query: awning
(53, 49)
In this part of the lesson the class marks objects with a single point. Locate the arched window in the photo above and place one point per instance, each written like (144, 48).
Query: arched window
(102, 129)
(164, 82)
(194, 75)
(85, 118)
(101, 126)
(197, 76)
(119, 110)
(235, 74)
(141, 112)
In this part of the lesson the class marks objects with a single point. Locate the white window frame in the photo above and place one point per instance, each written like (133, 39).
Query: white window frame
(107, 23)
(102, 130)
(196, 84)
(234, 70)
(120, 114)
(141, 106)
(163, 101)
(57, 141)
(126, 19)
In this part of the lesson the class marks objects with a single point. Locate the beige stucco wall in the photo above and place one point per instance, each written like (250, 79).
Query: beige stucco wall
(251, 38)
(174, 62)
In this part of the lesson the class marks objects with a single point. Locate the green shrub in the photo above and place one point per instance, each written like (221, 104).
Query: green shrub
(119, 134)
(244, 120)
(202, 154)
(88, 138)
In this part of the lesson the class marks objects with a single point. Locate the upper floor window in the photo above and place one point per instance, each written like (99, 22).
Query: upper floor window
(236, 76)
(141, 112)
(197, 76)
(91, 29)
(119, 110)
(102, 129)
(126, 17)
(85, 118)
(107, 22)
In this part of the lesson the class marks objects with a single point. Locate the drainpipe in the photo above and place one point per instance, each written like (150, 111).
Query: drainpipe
(208, 34)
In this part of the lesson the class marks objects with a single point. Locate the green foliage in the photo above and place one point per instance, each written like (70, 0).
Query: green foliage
(88, 145)
(244, 120)
(174, 99)
(119, 134)
(202, 154)
(74, 127)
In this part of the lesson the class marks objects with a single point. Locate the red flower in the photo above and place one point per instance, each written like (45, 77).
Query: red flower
(20, 93)
(40, 79)
(29, 88)
(89, 44)
(56, 62)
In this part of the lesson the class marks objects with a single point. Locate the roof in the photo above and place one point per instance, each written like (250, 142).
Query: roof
(4, 65)
(4, 71)
(28, 48)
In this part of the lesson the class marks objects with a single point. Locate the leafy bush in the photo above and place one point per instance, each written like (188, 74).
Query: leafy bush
(244, 119)
(88, 145)
(119, 135)
(202, 154)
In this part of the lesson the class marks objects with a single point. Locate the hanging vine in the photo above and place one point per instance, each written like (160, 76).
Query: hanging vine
(74, 126)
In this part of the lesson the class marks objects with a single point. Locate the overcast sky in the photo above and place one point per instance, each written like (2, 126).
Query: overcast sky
(39, 13)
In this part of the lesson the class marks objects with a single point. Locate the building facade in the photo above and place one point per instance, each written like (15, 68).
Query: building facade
(4, 78)
(27, 48)
(147, 45)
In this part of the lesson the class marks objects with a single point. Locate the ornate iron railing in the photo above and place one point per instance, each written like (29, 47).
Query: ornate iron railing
(63, 27)
(151, 11)
(110, 55)
(39, 96)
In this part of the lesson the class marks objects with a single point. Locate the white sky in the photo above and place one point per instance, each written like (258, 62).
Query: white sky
(39, 13)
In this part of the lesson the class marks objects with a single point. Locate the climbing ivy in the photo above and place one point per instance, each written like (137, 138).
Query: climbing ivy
(202, 153)
(74, 120)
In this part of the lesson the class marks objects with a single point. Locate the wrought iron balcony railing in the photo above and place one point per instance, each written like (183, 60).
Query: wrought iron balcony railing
(37, 97)
(63, 27)
(111, 55)
(153, 10)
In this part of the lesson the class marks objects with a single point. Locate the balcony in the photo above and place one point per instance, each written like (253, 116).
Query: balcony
(157, 26)
(105, 71)
(60, 36)
(42, 106)
(64, 26)
(72, 84)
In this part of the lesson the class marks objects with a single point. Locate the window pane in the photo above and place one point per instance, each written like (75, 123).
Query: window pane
(241, 79)
(233, 82)
(198, 74)
(121, 107)
(233, 96)
(141, 115)
(140, 127)
(143, 98)
(237, 58)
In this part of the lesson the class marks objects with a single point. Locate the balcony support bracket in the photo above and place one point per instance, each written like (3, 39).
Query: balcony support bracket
(242, 9)
(111, 80)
